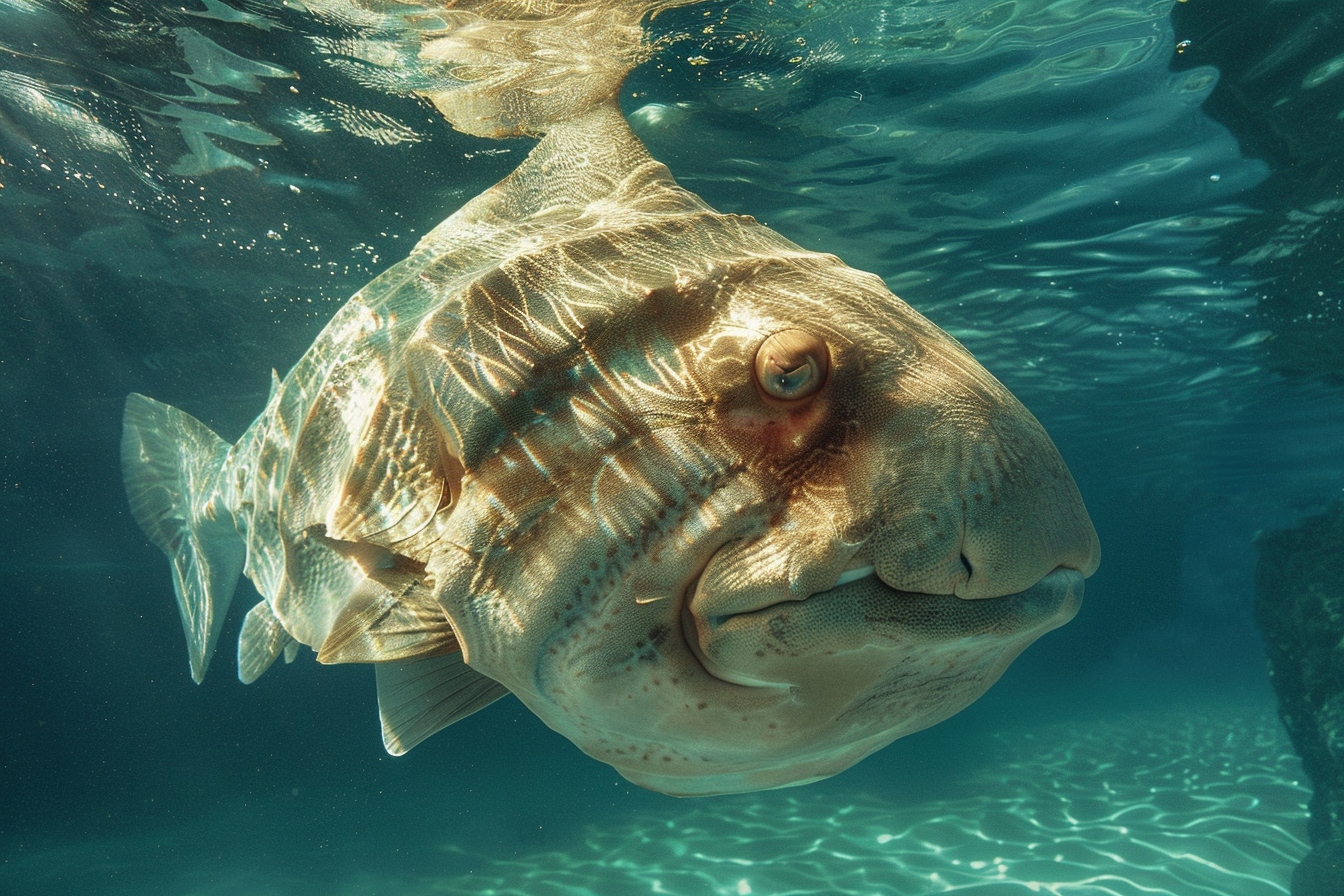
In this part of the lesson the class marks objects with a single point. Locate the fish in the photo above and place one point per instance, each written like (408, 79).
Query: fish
(723, 511)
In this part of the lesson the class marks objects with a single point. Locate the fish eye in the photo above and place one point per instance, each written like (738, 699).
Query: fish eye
(792, 365)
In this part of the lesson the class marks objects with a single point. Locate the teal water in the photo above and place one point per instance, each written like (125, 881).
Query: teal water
(1141, 242)
(1188, 800)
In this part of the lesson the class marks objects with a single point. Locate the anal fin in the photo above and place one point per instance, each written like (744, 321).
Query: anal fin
(420, 697)
(262, 640)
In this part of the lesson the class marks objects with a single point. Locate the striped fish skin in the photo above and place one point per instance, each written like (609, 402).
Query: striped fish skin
(721, 510)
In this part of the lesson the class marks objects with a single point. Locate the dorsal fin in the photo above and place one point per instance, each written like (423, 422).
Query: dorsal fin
(420, 697)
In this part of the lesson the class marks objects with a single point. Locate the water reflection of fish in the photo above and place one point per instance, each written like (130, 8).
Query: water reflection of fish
(61, 117)
(721, 510)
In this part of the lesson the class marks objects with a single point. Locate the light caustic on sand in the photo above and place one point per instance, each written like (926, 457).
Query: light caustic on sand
(1182, 805)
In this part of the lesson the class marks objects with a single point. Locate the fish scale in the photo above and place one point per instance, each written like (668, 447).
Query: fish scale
(540, 456)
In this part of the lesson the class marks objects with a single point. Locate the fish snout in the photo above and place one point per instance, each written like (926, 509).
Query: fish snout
(996, 513)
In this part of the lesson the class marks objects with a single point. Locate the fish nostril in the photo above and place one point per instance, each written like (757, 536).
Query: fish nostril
(966, 562)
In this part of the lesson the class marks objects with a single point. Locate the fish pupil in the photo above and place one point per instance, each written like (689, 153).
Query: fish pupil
(790, 381)
(791, 365)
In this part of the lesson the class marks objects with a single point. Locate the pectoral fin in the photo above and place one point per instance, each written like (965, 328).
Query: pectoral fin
(401, 484)
(379, 626)
(420, 697)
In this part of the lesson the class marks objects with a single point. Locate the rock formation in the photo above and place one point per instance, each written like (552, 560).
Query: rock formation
(1299, 605)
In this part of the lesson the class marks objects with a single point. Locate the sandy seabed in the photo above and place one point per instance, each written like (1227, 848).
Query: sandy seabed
(1203, 803)
(1181, 805)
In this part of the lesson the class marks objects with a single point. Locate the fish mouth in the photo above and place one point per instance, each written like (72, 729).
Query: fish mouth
(861, 600)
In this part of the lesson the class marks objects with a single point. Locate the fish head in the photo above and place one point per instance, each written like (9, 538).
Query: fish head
(754, 525)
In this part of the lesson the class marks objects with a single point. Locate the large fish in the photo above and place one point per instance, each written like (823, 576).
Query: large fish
(723, 511)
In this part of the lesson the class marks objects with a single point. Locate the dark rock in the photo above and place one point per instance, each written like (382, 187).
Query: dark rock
(1321, 872)
(1299, 605)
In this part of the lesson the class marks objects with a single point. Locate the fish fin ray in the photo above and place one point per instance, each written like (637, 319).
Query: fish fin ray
(377, 625)
(260, 643)
(419, 698)
(401, 481)
(173, 467)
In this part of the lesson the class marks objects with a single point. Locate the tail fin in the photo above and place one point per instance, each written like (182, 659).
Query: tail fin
(503, 68)
(173, 466)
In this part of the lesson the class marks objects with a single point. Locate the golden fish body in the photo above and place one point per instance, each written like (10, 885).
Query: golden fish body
(723, 511)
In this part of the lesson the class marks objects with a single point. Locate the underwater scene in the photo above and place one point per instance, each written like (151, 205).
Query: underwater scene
(476, 447)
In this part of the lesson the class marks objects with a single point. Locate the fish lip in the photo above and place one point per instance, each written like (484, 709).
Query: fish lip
(844, 580)
(1062, 598)
(689, 631)
(1068, 603)
(858, 573)
(847, 577)
(690, 634)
